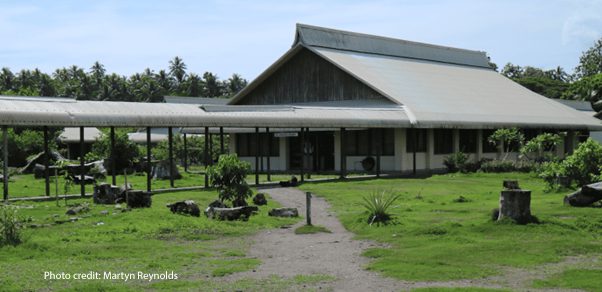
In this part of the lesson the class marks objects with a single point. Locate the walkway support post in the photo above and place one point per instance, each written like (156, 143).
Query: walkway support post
(82, 171)
(379, 149)
(308, 207)
(414, 151)
(343, 155)
(269, 139)
(113, 158)
(221, 141)
(149, 165)
(170, 150)
(46, 162)
(185, 153)
(257, 149)
(5, 161)
(302, 154)
(206, 154)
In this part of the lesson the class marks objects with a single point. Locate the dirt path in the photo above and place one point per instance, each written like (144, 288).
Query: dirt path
(285, 254)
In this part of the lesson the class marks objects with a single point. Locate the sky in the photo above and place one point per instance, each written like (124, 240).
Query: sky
(245, 37)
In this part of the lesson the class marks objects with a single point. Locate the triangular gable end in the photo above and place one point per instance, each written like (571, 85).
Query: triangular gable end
(307, 77)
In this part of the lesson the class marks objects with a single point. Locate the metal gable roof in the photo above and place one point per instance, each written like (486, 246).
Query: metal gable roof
(315, 36)
(445, 95)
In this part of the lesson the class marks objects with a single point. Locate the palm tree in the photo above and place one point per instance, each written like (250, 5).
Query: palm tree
(177, 69)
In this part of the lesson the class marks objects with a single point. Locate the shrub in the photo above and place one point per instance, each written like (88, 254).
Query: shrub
(508, 137)
(508, 166)
(536, 147)
(377, 204)
(228, 176)
(10, 233)
(583, 166)
(455, 161)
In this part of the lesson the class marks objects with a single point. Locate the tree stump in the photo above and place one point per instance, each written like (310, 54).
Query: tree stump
(586, 196)
(511, 185)
(516, 205)
(39, 171)
(105, 193)
(139, 199)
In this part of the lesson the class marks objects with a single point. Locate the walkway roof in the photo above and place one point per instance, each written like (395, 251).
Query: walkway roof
(23, 111)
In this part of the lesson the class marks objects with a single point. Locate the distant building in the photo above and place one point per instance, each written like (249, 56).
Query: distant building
(585, 107)
(71, 138)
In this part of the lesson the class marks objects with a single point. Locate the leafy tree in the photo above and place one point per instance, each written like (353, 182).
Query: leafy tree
(535, 148)
(126, 151)
(505, 138)
(228, 176)
(590, 62)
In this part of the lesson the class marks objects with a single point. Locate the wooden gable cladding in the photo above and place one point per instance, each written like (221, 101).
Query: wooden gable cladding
(307, 77)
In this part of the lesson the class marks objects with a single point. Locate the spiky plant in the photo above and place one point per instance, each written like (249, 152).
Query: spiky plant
(377, 203)
(10, 233)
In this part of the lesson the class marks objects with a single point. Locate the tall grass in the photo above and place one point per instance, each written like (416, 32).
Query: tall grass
(377, 204)
(10, 230)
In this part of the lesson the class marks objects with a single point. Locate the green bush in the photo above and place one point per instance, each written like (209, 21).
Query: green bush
(583, 167)
(455, 162)
(228, 176)
(377, 204)
(535, 149)
(10, 233)
(508, 166)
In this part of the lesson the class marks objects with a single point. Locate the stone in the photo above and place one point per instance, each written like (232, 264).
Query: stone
(284, 212)
(260, 199)
(161, 170)
(104, 212)
(82, 208)
(242, 213)
(218, 204)
(293, 182)
(585, 196)
(188, 207)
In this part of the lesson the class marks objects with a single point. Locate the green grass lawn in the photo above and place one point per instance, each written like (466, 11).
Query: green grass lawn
(26, 185)
(151, 240)
(434, 237)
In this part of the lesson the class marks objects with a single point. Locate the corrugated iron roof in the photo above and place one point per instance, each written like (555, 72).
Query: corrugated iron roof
(69, 113)
(322, 37)
(446, 95)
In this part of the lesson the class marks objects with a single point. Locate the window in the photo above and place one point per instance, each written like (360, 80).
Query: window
(246, 145)
(468, 141)
(366, 142)
(487, 146)
(444, 141)
(416, 138)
